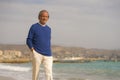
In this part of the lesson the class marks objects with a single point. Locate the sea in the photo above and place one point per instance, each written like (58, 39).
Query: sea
(98, 70)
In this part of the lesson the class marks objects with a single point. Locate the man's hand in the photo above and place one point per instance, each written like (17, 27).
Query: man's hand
(32, 49)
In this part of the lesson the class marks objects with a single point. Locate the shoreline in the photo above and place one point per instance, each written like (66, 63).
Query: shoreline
(6, 78)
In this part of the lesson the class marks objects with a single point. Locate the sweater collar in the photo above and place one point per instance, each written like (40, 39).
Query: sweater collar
(41, 24)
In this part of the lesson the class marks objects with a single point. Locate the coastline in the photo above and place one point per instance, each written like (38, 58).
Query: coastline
(6, 78)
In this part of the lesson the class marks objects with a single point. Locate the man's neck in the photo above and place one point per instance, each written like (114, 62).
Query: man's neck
(42, 24)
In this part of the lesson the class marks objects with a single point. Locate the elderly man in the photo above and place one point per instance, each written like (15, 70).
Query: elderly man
(39, 42)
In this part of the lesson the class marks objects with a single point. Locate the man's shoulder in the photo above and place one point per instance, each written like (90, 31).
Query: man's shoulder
(33, 27)
(35, 24)
(48, 26)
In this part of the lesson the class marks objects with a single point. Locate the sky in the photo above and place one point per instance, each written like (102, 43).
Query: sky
(77, 23)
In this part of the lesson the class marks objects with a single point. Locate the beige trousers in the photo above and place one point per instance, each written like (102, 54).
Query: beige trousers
(47, 61)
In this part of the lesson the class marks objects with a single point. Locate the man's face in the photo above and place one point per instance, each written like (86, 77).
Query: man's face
(43, 18)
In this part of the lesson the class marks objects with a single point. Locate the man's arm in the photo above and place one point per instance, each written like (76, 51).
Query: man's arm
(29, 39)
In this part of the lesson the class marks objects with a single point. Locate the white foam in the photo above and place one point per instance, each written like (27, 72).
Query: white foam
(14, 68)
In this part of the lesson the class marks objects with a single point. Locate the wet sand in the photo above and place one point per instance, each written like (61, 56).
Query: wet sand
(6, 78)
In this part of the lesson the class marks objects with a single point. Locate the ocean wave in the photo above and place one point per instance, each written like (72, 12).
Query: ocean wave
(14, 68)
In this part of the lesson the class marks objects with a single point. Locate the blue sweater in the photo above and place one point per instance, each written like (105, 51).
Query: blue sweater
(39, 38)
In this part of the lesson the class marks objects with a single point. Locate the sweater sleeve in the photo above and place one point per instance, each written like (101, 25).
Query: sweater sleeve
(30, 38)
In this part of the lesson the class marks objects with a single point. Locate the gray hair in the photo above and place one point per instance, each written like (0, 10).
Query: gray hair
(42, 12)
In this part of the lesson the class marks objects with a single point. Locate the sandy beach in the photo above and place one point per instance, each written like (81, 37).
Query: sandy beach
(6, 78)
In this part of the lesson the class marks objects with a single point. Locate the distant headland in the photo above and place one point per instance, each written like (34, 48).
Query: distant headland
(21, 54)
